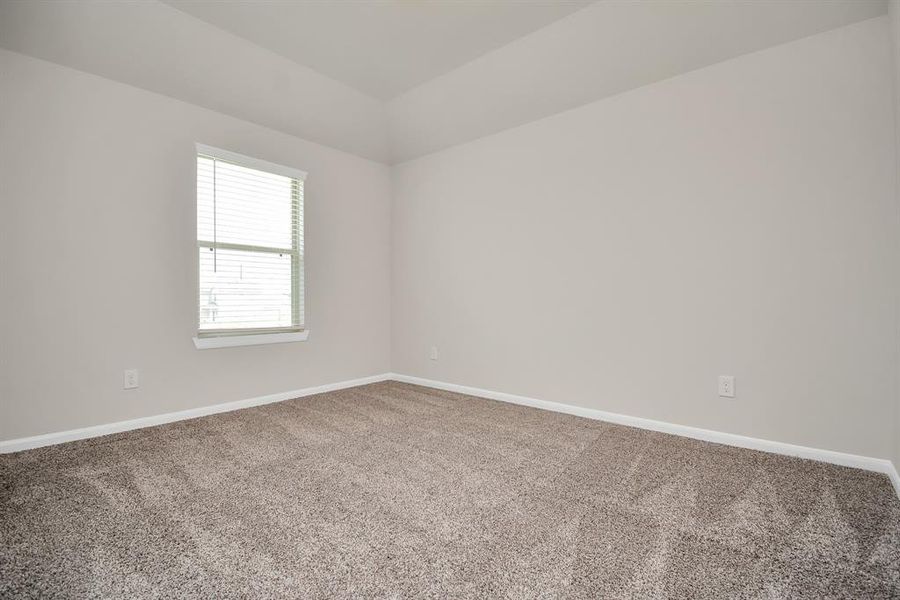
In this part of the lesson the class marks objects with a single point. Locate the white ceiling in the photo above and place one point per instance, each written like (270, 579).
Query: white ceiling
(607, 48)
(476, 66)
(380, 47)
(153, 46)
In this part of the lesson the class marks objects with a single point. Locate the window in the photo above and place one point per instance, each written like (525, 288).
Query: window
(250, 245)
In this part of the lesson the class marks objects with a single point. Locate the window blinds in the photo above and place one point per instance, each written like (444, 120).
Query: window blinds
(250, 241)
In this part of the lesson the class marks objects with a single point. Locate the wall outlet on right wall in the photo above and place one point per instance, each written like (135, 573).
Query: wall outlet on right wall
(433, 354)
(726, 386)
(130, 379)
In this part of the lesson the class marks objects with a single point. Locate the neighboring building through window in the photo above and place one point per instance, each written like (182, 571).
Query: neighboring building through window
(250, 242)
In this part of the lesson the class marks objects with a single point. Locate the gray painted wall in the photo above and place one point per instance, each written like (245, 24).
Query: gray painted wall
(741, 219)
(894, 17)
(98, 255)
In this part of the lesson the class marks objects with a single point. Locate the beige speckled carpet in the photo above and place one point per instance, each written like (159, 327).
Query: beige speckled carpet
(396, 491)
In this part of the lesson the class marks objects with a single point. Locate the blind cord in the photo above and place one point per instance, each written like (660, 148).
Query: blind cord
(215, 227)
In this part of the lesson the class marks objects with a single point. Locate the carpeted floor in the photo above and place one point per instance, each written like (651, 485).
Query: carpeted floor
(397, 491)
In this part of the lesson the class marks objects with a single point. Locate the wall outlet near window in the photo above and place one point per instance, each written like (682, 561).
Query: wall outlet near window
(131, 379)
(433, 354)
(726, 386)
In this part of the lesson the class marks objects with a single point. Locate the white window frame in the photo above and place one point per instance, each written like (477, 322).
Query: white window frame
(224, 338)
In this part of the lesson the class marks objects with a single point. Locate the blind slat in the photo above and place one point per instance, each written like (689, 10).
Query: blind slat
(250, 245)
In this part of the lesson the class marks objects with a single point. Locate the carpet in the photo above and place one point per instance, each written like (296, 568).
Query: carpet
(396, 491)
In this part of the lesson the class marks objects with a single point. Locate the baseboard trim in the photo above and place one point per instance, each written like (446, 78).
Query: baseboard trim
(50, 439)
(895, 479)
(829, 456)
(839, 458)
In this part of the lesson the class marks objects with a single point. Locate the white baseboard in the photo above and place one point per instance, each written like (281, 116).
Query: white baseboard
(838, 458)
(895, 478)
(50, 439)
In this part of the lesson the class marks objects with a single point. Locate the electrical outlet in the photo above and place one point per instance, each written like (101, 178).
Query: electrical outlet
(131, 379)
(726, 386)
(433, 355)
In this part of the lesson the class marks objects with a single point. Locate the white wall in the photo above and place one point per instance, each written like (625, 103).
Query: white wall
(741, 219)
(894, 17)
(98, 255)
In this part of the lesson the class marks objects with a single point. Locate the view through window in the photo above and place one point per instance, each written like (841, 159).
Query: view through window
(250, 242)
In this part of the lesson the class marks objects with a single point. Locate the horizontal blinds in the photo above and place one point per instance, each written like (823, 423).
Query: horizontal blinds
(250, 244)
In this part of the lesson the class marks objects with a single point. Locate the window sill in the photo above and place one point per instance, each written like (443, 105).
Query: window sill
(228, 341)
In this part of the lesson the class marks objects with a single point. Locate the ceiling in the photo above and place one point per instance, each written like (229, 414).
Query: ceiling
(606, 48)
(392, 80)
(380, 47)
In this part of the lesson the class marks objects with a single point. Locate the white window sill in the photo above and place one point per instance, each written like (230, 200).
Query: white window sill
(228, 341)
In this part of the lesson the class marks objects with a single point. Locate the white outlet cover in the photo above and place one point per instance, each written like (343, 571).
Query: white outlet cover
(726, 386)
(130, 379)
(434, 354)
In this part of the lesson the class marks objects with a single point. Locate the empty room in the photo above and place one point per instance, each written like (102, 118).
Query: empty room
(593, 299)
